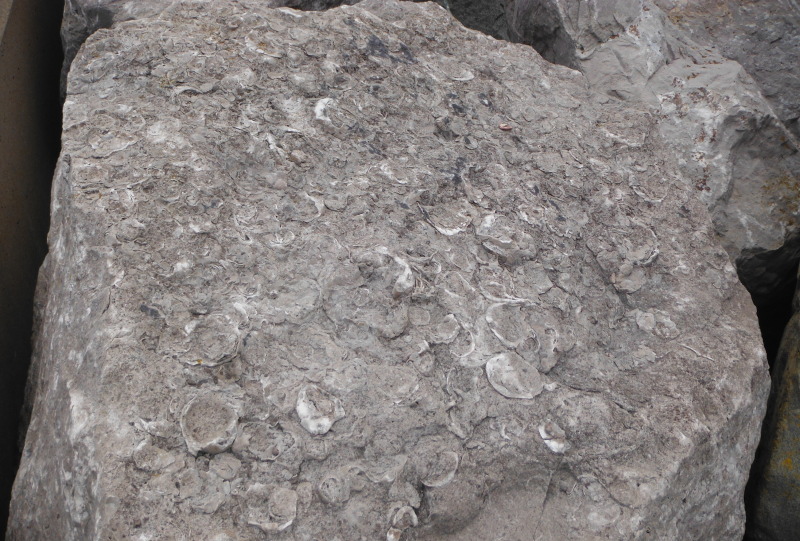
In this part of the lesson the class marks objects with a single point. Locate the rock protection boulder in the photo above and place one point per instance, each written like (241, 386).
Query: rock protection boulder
(367, 274)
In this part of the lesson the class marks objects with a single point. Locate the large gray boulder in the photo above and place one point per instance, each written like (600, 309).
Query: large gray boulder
(366, 274)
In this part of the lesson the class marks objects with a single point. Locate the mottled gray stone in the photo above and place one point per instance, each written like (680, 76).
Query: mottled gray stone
(84, 17)
(347, 216)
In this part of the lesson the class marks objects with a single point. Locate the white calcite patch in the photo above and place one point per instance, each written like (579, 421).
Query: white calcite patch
(554, 437)
(318, 409)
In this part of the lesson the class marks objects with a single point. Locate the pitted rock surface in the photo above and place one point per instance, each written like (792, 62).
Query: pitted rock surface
(434, 287)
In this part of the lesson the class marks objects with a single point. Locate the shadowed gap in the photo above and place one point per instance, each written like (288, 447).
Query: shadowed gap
(773, 298)
(30, 132)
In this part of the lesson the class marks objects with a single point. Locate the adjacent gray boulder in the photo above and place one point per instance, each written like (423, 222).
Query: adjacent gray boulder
(763, 36)
(732, 146)
(366, 274)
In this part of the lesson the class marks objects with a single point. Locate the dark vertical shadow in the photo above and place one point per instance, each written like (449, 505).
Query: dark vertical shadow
(775, 310)
(30, 132)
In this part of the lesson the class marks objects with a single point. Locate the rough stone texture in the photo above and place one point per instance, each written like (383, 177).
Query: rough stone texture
(82, 18)
(440, 290)
(733, 148)
(762, 35)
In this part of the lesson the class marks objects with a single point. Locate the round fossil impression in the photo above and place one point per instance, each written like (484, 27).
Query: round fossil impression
(208, 424)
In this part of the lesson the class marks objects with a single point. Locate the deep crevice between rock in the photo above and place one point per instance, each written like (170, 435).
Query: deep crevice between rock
(771, 279)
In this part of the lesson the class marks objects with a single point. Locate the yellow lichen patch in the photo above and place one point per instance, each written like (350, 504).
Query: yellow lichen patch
(787, 463)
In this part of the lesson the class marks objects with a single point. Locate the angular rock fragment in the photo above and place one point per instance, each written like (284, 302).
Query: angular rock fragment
(200, 179)
(764, 37)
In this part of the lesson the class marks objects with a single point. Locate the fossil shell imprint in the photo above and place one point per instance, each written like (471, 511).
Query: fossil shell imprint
(318, 409)
(208, 424)
(512, 377)
(441, 469)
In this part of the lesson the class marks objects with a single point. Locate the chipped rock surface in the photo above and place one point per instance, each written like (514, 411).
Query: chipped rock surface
(366, 274)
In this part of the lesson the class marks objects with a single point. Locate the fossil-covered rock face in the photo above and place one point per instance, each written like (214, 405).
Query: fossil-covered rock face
(366, 274)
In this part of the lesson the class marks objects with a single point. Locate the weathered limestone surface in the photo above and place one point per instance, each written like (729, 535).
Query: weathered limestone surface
(737, 149)
(84, 17)
(366, 274)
